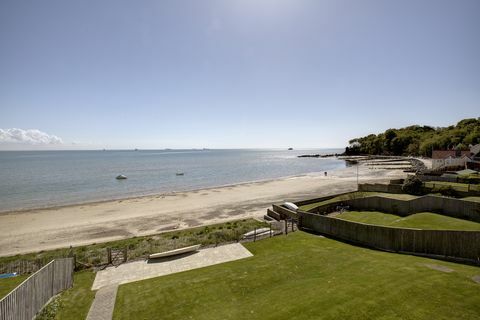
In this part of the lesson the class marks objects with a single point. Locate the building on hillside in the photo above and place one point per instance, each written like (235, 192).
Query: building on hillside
(475, 149)
(456, 158)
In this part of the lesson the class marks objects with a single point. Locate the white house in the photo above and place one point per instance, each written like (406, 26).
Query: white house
(453, 158)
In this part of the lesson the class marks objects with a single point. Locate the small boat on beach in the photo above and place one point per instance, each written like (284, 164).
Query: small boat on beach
(257, 232)
(174, 252)
(8, 275)
(121, 177)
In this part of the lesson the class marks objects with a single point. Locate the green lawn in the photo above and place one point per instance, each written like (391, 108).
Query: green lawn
(303, 276)
(73, 303)
(354, 195)
(8, 284)
(423, 220)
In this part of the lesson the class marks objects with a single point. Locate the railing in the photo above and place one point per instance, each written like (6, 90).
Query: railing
(26, 300)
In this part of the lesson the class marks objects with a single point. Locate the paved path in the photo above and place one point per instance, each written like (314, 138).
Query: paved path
(102, 306)
(139, 270)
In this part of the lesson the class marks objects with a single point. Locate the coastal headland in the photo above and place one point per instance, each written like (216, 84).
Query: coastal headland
(49, 228)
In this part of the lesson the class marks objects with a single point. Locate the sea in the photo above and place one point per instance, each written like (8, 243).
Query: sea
(38, 179)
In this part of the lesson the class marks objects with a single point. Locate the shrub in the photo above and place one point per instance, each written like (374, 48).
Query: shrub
(412, 185)
(448, 191)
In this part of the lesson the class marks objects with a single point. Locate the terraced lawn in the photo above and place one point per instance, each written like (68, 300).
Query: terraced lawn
(355, 195)
(304, 276)
(423, 220)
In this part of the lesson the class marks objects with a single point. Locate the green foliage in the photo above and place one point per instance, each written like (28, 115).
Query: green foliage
(418, 140)
(448, 191)
(95, 254)
(412, 185)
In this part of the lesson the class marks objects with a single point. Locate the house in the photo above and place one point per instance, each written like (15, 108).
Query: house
(449, 158)
(455, 158)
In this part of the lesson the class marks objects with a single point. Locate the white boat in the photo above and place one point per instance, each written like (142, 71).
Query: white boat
(174, 252)
(291, 206)
(121, 177)
(256, 232)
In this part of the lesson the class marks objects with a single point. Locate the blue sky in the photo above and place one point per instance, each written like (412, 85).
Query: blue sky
(234, 73)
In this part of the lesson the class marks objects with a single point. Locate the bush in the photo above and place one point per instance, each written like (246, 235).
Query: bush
(448, 191)
(413, 185)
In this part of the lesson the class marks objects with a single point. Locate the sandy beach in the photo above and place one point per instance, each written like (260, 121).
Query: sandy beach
(42, 229)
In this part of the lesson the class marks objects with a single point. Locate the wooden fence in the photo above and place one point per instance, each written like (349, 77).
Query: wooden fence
(26, 300)
(458, 245)
(456, 208)
(22, 266)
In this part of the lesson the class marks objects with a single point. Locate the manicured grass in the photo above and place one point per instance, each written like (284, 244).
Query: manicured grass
(73, 303)
(303, 276)
(423, 220)
(355, 195)
(8, 284)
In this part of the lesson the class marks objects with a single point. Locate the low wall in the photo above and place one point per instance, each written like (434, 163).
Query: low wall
(273, 214)
(31, 295)
(463, 245)
(325, 198)
(447, 206)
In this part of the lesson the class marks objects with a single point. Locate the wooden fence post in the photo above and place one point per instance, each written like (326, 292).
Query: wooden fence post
(254, 234)
(109, 255)
(286, 227)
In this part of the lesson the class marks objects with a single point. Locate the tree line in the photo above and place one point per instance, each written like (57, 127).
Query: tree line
(418, 140)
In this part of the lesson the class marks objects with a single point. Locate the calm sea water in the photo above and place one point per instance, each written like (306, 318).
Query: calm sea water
(34, 179)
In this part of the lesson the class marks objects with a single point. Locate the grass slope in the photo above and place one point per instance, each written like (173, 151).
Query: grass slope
(423, 220)
(74, 303)
(355, 195)
(8, 284)
(303, 276)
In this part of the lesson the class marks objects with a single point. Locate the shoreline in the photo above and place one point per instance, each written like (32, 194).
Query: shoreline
(33, 230)
(154, 194)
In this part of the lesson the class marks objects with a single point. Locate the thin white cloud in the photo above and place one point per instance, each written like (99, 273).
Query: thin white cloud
(28, 137)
